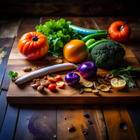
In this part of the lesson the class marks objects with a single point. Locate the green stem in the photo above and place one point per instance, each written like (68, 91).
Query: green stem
(122, 26)
(135, 69)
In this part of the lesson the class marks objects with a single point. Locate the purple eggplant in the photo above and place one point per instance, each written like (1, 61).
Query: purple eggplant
(72, 78)
(88, 69)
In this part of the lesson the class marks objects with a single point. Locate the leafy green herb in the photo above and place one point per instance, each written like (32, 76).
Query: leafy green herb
(13, 75)
(58, 34)
(126, 75)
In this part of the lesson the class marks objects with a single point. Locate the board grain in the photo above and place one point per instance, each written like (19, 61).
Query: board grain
(119, 123)
(69, 95)
(73, 115)
(36, 122)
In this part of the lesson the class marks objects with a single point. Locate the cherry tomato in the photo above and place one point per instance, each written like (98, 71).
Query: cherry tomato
(119, 31)
(75, 51)
(52, 87)
(33, 45)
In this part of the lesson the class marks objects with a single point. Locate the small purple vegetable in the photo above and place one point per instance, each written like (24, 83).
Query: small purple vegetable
(72, 78)
(88, 69)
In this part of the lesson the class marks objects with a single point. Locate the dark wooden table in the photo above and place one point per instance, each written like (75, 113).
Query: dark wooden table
(39, 122)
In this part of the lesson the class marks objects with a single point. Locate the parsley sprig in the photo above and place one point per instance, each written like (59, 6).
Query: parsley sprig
(13, 75)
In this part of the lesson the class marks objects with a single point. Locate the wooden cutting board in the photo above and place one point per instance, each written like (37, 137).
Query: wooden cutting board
(69, 95)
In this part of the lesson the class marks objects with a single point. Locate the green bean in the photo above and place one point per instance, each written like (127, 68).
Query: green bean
(95, 36)
(96, 43)
(90, 41)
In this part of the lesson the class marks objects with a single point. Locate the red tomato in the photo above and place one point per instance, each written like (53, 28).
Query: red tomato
(119, 31)
(52, 87)
(33, 45)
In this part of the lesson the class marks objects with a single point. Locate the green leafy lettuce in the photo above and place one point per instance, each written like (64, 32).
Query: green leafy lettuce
(58, 34)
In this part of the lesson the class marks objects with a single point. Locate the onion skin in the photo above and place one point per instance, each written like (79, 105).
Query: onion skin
(88, 69)
(72, 78)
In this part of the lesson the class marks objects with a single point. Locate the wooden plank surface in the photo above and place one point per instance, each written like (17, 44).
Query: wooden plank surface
(119, 123)
(73, 115)
(9, 123)
(3, 107)
(134, 113)
(7, 44)
(36, 122)
(19, 128)
(9, 29)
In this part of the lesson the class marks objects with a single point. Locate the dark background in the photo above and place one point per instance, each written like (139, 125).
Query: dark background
(69, 8)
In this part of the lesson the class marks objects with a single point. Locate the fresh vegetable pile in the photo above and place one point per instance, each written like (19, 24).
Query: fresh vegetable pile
(76, 44)
(58, 34)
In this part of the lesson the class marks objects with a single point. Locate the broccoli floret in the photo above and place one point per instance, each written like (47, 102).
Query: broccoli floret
(107, 54)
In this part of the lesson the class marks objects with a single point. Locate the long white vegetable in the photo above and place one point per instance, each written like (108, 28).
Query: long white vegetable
(45, 71)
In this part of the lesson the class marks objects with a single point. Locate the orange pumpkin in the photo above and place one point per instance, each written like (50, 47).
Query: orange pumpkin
(33, 45)
(75, 51)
